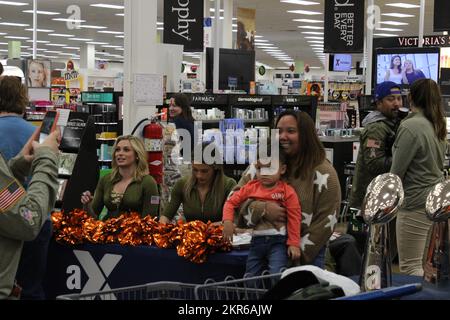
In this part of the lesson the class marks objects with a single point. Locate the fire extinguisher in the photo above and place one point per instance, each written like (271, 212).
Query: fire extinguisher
(153, 141)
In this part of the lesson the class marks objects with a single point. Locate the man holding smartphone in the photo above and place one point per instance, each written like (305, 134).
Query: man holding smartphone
(24, 212)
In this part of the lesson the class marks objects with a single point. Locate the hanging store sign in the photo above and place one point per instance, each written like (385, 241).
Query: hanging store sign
(344, 26)
(183, 24)
(408, 42)
(441, 20)
(246, 29)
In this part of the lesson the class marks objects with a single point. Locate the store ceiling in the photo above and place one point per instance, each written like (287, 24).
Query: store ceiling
(273, 22)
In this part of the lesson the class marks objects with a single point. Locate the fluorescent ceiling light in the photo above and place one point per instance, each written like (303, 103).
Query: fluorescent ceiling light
(98, 43)
(260, 40)
(37, 49)
(120, 14)
(403, 5)
(25, 47)
(315, 41)
(109, 6)
(315, 67)
(307, 20)
(234, 30)
(48, 13)
(121, 37)
(258, 36)
(15, 37)
(41, 30)
(80, 39)
(300, 2)
(310, 27)
(314, 38)
(111, 46)
(4, 43)
(62, 35)
(13, 3)
(3, 33)
(159, 23)
(72, 48)
(69, 20)
(394, 23)
(56, 45)
(110, 32)
(213, 10)
(119, 49)
(37, 41)
(388, 29)
(68, 54)
(13, 24)
(267, 47)
(306, 12)
(92, 27)
(398, 15)
(50, 51)
(159, 28)
(385, 35)
(312, 32)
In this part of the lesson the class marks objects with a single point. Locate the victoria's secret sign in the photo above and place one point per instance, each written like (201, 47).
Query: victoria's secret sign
(406, 42)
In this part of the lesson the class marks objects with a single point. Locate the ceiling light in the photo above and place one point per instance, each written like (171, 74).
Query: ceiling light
(48, 13)
(111, 46)
(72, 48)
(13, 24)
(69, 20)
(41, 30)
(92, 27)
(50, 51)
(3, 33)
(314, 38)
(159, 23)
(15, 37)
(394, 23)
(398, 15)
(300, 2)
(315, 41)
(260, 40)
(119, 49)
(110, 32)
(80, 39)
(98, 43)
(310, 27)
(37, 41)
(159, 28)
(213, 10)
(403, 5)
(13, 3)
(388, 29)
(306, 12)
(109, 6)
(62, 35)
(56, 45)
(121, 37)
(312, 32)
(120, 14)
(385, 35)
(308, 20)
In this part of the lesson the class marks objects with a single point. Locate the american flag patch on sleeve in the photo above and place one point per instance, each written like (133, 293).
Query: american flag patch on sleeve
(10, 195)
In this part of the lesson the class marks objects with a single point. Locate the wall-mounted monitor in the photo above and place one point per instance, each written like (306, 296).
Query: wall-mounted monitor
(340, 62)
(406, 65)
(239, 64)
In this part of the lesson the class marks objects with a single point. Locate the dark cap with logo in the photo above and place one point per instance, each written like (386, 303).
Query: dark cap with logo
(385, 89)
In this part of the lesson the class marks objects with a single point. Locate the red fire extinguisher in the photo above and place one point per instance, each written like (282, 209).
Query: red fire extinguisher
(153, 140)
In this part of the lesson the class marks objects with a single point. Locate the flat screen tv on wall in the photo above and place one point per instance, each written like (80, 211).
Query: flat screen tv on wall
(238, 64)
(405, 65)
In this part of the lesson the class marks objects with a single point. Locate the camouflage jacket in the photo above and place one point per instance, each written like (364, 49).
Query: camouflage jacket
(374, 156)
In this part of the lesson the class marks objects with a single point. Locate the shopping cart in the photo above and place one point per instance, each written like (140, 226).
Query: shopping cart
(247, 288)
(163, 290)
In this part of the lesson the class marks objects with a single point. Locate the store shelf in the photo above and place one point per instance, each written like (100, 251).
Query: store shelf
(210, 121)
(256, 120)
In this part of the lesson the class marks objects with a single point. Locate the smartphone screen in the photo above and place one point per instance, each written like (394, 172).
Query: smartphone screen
(47, 125)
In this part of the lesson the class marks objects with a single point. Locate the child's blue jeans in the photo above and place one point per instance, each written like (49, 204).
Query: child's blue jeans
(267, 253)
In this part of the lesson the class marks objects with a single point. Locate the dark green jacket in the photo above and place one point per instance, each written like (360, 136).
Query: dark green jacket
(194, 209)
(22, 217)
(374, 156)
(141, 197)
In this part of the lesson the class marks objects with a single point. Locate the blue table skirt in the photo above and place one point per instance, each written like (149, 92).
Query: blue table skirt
(91, 268)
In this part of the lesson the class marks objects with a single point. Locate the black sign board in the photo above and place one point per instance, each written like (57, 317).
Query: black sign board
(183, 23)
(291, 100)
(408, 42)
(209, 99)
(441, 11)
(344, 26)
(251, 100)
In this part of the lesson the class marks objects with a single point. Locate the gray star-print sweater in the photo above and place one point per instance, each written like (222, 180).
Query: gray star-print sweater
(320, 200)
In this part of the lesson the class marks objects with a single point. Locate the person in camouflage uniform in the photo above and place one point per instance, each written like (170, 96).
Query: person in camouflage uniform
(22, 213)
(375, 154)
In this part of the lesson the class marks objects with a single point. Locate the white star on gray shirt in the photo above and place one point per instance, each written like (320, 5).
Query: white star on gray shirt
(321, 180)
(248, 217)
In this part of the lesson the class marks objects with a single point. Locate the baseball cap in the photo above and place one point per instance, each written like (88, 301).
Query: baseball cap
(385, 89)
